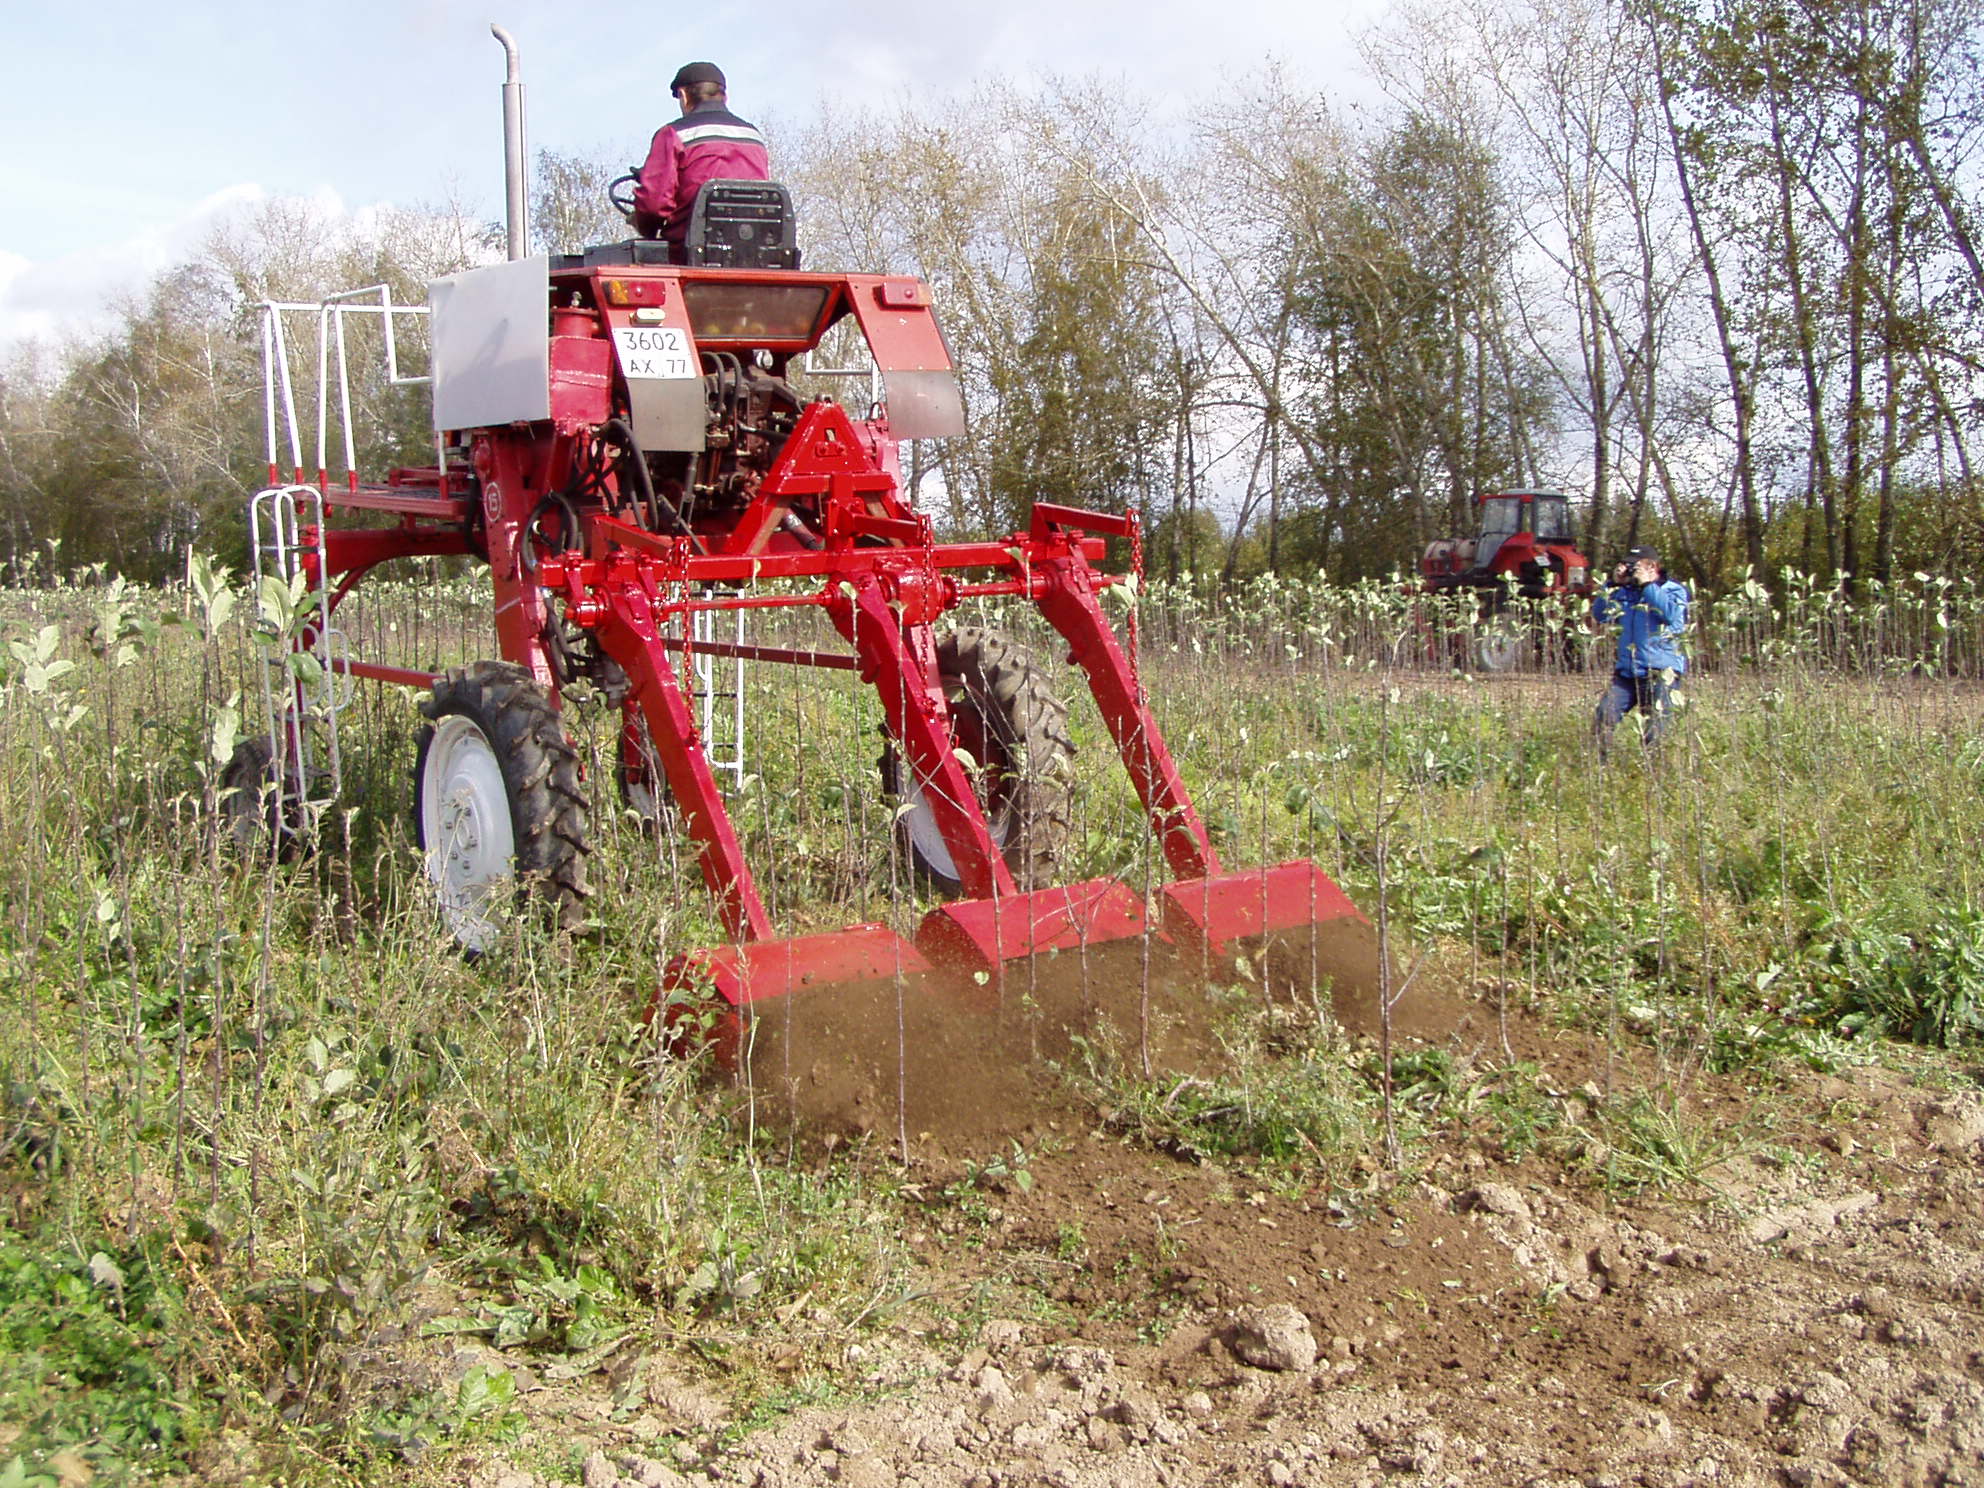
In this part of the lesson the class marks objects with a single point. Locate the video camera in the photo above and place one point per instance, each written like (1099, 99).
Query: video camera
(1625, 571)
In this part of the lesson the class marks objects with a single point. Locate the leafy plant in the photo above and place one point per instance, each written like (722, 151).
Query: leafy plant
(94, 1359)
(548, 1310)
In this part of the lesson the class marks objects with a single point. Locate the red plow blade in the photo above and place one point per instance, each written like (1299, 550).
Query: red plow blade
(768, 971)
(964, 950)
(1205, 914)
(983, 935)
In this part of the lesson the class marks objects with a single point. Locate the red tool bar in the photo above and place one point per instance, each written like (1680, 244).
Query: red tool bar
(745, 602)
(373, 671)
(832, 660)
(1014, 553)
(843, 562)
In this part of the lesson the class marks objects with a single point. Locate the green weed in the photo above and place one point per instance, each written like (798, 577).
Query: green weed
(1286, 1093)
(95, 1360)
(281, 1065)
(1648, 1142)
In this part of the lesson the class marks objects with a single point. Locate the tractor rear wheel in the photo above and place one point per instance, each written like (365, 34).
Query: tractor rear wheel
(260, 812)
(251, 798)
(500, 806)
(1006, 718)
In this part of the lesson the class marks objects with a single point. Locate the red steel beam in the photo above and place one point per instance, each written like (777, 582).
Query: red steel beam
(629, 635)
(375, 672)
(782, 655)
(899, 658)
(1068, 601)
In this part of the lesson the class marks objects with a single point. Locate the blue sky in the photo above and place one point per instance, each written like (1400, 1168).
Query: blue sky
(128, 127)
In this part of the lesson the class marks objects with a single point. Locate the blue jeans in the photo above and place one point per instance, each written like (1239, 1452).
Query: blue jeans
(1648, 694)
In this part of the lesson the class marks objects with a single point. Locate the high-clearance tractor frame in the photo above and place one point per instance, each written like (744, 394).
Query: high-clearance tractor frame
(620, 442)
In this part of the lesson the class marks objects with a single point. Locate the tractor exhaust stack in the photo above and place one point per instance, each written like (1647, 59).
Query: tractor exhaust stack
(516, 209)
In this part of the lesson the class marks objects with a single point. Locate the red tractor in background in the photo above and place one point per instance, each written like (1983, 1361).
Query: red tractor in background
(1524, 570)
(620, 440)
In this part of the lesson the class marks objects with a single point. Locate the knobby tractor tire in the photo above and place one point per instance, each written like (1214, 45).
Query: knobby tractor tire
(250, 804)
(500, 805)
(1014, 728)
(256, 813)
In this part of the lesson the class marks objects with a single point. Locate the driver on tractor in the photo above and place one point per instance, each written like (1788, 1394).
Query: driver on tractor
(708, 143)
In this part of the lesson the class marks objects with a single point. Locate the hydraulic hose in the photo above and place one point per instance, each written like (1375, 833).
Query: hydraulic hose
(656, 505)
(568, 528)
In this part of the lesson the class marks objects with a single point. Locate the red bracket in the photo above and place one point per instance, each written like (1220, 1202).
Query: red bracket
(1048, 518)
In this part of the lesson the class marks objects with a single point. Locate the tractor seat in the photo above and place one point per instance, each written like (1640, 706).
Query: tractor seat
(742, 225)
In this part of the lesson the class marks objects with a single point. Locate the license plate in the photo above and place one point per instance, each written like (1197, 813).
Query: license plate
(653, 351)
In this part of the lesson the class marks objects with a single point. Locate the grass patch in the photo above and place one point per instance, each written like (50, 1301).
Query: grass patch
(1286, 1092)
(96, 1364)
(270, 1095)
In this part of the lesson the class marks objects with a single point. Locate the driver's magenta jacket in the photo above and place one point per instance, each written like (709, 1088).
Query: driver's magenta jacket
(709, 143)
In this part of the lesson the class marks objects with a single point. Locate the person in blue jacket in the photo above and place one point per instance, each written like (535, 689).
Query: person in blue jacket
(1651, 611)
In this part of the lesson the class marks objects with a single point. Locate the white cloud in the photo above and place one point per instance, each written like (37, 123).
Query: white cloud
(74, 294)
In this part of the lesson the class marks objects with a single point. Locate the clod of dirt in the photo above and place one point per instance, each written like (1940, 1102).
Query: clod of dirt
(1498, 1198)
(993, 1392)
(1273, 1337)
(1808, 1222)
(1002, 1334)
(1955, 1124)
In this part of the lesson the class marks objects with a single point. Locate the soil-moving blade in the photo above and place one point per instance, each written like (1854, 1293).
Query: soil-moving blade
(764, 971)
(984, 935)
(1203, 916)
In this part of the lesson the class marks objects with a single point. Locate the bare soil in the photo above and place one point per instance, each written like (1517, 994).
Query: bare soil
(1807, 1315)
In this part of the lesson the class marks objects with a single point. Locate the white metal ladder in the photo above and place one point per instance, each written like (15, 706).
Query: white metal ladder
(718, 694)
(300, 705)
(308, 761)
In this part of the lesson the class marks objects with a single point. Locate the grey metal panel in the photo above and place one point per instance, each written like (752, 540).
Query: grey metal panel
(669, 413)
(492, 345)
(924, 405)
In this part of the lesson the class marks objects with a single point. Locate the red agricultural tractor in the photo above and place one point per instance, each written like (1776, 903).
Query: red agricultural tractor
(620, 441)
(1522, 565)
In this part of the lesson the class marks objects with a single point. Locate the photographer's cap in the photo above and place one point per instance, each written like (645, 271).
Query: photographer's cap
(697, 72)
(1639, 555)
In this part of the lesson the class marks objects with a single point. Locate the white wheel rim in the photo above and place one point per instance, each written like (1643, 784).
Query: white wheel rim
(465, 820)
(1498, 651)
(919, 824)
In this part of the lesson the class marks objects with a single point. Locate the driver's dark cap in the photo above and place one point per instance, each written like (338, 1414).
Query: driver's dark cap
(1638, 555)
(697, 72)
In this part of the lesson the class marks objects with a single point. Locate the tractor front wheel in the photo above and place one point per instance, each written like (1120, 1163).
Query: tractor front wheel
(1014, 729)
(500, 806)
(1500, 648)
